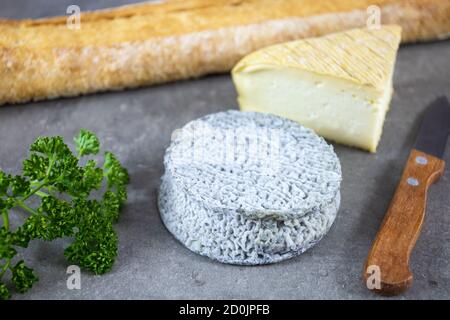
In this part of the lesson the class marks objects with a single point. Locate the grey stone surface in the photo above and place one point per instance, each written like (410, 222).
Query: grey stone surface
(137, 125)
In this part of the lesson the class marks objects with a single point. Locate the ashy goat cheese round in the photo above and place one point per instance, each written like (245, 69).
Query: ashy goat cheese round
(249, 188)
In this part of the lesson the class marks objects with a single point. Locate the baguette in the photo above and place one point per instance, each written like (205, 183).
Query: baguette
(153, 43)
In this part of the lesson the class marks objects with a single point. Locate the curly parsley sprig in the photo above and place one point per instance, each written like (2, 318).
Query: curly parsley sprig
(66, 206)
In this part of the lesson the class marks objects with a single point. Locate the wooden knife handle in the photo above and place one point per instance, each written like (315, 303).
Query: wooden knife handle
(389, 257)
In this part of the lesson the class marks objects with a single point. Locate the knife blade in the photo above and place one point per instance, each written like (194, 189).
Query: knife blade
(387, 268)
(435, 128)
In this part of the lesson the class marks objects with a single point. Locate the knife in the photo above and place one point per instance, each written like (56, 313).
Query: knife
(387, 269)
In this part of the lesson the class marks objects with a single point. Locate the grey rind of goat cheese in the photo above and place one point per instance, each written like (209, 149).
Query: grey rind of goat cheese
(249, 188)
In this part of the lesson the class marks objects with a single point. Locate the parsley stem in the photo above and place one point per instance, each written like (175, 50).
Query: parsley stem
(6, 226)
(5, 219)
(25, 207)
(51, 161)
(5, 267)
(42, 194)
(43, 183)
(38, 187)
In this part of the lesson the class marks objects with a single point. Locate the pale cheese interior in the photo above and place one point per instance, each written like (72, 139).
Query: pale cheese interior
(337, 109)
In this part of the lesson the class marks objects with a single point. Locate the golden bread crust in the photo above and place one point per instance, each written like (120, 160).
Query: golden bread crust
(152, 43)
